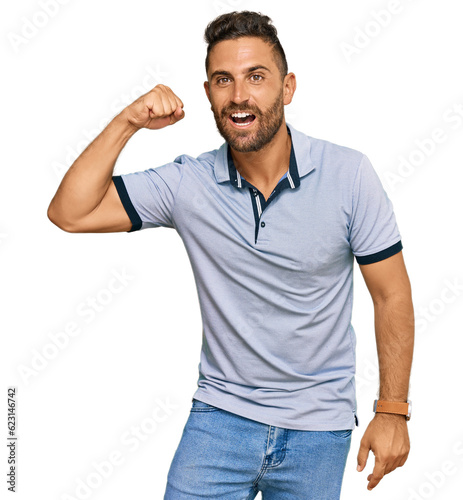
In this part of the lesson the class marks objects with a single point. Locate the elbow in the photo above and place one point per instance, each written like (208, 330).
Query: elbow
(393, 300)
(59, 221)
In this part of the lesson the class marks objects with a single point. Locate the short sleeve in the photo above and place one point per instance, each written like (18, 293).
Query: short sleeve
(149, 196)
(373, 230)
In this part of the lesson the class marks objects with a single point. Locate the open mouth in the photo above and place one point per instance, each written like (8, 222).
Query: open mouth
(242, 119)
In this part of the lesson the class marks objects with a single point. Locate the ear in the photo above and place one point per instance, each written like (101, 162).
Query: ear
(289, 87)
(206, 88)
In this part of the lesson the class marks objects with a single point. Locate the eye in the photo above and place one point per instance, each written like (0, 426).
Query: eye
(222, 80)
(256, 78)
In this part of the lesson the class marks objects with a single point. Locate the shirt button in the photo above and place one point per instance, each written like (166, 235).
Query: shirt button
(262, 224)
(254, 192)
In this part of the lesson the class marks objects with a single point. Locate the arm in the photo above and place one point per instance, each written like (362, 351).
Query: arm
(387, 434)
(87, 199)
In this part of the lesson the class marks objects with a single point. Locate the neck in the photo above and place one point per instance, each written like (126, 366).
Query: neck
(267, 165)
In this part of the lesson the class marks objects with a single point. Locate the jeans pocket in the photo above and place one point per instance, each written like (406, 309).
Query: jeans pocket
(342, 434)
(201, 406)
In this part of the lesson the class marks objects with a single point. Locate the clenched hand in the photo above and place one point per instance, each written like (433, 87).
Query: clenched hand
(156, 109)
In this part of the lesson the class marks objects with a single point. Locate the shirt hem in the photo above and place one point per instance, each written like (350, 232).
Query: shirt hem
(127, 203)
(307, 425)
(381, 255)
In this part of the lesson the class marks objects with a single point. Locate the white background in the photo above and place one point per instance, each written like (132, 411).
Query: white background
(63, 81)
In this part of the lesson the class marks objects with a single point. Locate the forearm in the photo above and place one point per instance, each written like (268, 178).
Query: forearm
(87, 180)
(394, 327)
(387, 434)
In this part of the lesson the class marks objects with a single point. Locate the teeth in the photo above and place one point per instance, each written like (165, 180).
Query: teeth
(240, 115)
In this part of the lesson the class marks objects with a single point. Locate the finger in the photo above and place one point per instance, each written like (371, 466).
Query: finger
(172, 108)
(174, 101)
(161, 98)
(167, 103)
(169, 95)
(156, 105)
(362, 456)
(177, 115)
(378, 474)
(178, 101)
(403, 460)
(393, 466)
(400, 461)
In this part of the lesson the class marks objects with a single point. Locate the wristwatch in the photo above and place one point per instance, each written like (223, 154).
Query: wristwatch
(399, 408)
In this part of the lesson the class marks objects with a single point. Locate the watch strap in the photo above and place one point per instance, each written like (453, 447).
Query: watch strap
(396, 407)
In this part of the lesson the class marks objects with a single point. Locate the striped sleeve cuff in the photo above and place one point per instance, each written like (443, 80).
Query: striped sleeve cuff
(127, 203)
(383, 254)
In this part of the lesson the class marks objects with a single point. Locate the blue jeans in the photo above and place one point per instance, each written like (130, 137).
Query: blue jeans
(223, 455)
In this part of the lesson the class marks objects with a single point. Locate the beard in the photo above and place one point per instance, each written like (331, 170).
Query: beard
(246, 141)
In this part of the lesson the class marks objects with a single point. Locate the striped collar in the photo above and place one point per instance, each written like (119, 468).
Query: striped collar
(300, 161)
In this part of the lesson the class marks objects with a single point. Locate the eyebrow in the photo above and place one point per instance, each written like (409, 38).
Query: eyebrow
(249, 70)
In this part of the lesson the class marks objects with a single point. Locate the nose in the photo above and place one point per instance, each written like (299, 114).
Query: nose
(240, 91)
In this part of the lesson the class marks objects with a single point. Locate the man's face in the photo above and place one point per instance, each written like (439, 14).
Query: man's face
(244, 78)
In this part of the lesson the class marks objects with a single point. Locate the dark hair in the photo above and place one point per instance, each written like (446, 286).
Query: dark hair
(233, 25)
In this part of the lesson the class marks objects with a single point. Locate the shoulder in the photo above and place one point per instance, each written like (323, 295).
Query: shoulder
(328, 157)
(199, 169)
(204, 159)
(325, 152)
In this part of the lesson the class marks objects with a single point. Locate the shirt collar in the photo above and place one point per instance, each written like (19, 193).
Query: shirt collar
(300, 160)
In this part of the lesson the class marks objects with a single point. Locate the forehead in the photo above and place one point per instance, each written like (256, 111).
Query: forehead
(238, 54)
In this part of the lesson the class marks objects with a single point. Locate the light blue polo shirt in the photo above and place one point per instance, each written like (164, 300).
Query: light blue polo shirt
(274, 278)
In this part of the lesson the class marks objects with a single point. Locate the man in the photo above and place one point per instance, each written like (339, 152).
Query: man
(271, 222)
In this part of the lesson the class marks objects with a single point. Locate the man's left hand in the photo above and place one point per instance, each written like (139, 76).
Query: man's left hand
(387, 437)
